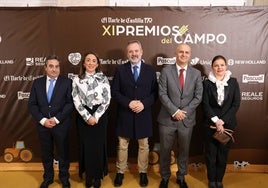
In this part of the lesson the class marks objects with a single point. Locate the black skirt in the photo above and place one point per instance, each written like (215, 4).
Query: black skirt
(92, 147)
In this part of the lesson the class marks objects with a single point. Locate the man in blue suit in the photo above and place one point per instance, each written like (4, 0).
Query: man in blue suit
(180, 92)
(134, 88)
(51, 106)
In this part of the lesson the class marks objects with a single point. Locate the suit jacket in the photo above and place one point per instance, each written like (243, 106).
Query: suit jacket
(61, 104)
(124, 90)
(230, 105)
(172, 97)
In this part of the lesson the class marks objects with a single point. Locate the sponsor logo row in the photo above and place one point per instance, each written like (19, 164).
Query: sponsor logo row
(245, 95)
(75, 59)
(196, 60)
(246, 78)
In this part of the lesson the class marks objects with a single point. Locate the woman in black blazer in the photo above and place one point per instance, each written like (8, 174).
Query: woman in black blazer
(221, 100)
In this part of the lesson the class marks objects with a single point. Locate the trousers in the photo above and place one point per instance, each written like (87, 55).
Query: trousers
(122, 155)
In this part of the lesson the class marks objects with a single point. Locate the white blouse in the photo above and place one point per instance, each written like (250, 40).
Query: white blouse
(220, 84)
(93, 90)
(220, 88)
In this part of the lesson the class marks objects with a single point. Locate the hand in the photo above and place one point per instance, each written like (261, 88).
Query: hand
(136, 106)
(50, 123)
(180, 115)
(219, 126)
(92, 121)
(132, 104)
(139, 107)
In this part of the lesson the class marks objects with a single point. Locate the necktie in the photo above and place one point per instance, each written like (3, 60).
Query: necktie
(181, 77)
(50, 89)
(135, 72)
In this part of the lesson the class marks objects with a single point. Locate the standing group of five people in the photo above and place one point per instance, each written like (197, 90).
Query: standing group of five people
(135, 88)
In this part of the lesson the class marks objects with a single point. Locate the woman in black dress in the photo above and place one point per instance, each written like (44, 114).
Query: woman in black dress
(91, 96)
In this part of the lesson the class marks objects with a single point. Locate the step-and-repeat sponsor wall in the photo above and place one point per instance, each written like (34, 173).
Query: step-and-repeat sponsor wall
(28, 35)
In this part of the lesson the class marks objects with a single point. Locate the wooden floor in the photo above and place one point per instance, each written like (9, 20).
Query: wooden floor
(31, 177)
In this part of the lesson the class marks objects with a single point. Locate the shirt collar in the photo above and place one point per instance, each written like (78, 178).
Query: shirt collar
(89, 74)
(138, 65)
(179, 68)
(48, 78)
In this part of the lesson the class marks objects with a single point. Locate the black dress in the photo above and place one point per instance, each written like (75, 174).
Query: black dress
(92, 147)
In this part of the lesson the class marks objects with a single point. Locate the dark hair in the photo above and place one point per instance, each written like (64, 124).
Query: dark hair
(218, 57)
(51, 57)
(82, 70)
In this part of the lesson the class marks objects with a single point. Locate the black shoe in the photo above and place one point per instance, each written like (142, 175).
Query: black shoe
(219, 185)
(212, 184)
(143, 180)
(97, 183)
(182, 183)
(164, 184)
(89, 183)
(45, 184)
(118, 179)
(66, 184)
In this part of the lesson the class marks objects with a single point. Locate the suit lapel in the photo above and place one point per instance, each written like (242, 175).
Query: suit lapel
(129, 71)
(187, 78)
(214, 91)
(142, 72)
(226, 92)
(43, 87)
(174, 73)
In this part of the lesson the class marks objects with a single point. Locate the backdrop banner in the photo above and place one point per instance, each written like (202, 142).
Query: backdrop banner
(28, 35)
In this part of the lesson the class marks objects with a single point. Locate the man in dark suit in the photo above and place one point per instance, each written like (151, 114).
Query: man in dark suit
(134, 88)
(180, 92)
(51, 106)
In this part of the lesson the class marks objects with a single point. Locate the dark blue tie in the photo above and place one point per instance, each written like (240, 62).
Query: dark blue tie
(50, 89)
(135, 72)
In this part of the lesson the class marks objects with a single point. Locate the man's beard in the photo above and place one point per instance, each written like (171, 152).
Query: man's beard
(136, 60)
